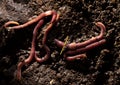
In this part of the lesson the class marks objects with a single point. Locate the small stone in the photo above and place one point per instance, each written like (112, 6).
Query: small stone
(52, 82)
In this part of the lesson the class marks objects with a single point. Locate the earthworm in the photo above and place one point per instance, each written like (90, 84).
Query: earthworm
(86, 48)
(42, 15)
(11, 23)
(75, 45)
(44, 45)
(75, 57)
(32, 52)
(79, 53)
(45, 57)
(44, 42)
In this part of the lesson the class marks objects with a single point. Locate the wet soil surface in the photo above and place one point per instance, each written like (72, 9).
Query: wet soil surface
(77, 17)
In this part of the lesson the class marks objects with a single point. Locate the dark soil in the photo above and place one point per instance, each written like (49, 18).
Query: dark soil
(77, 17)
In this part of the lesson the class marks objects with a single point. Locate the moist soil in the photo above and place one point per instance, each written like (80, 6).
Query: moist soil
(77, 21)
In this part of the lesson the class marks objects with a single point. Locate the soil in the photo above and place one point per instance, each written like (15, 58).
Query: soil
(77, 18)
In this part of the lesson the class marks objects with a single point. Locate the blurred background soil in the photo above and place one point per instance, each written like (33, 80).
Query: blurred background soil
(77, 18)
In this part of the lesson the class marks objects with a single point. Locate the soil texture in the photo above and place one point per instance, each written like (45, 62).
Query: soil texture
(77, 18)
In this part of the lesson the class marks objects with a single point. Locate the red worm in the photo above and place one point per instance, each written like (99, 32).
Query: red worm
(86, 48)
(11, 23)
(45, 57)
(75, 57)
(32, 52)
(74, 45)
(45, 46)
(44, 42)
(42, 15)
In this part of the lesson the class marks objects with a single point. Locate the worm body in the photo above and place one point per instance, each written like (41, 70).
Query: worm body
(86, 48)
(75, 57)
(11, 23)
(40, 20)
(39, 17)
(32, 52)
(77, 50)
(74, 45)
(45, 39)
(45, 57)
